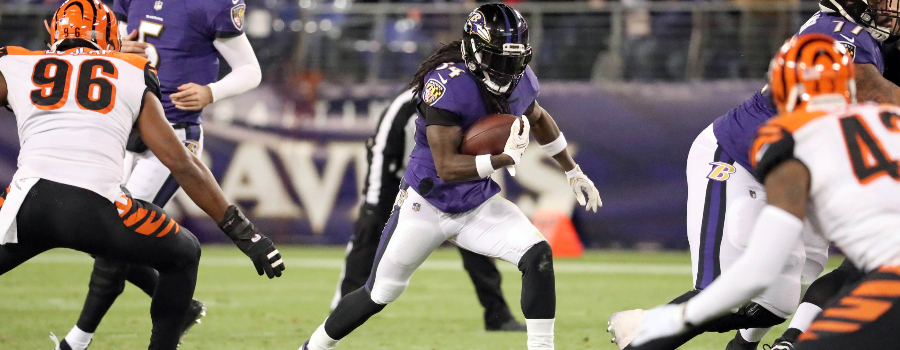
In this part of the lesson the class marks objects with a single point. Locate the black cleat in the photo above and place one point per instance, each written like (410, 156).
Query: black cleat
(62, 345)
(738, 343)
(195, 312)
(779, 344)
(509, 326)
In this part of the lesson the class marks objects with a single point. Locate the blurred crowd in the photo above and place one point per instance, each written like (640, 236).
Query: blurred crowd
(304, 42)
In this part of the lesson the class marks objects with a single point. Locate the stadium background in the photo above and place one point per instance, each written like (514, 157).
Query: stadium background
(631, 83)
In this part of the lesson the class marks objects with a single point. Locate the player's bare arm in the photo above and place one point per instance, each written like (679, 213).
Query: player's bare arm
(787, 187)
(190, 172)
(545, 131)
(451, 165)
(872, 86)
(547, 134)
(3, 91)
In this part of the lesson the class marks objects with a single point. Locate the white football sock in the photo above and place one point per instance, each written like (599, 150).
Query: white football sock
(754, 335)
(321, 341)
(78, 339)
(804, 316)
(540, 334)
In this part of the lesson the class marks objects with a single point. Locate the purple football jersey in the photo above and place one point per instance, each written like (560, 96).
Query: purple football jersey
(452, 87)
(736, 130)
(181, 34)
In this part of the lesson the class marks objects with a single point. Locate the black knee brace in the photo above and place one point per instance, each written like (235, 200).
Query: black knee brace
(538, 282)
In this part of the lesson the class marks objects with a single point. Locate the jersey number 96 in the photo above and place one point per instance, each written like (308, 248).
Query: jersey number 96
(93, 91)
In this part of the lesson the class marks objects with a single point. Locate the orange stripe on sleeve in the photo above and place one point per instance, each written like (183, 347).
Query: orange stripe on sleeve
(151, 226)
(125, 208)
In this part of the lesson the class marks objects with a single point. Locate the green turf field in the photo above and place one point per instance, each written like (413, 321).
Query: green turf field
(439, 310)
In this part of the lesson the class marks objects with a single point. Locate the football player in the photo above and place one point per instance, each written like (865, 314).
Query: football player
(388, 150)
(445, 195)
(181, 39)
(724, 196)
(76, 105)
(833, 164)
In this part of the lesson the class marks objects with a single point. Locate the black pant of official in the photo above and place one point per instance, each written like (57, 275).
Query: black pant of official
(482, 270)
(56, 215)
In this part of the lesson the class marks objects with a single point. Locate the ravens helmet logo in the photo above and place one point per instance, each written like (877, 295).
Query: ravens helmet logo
(475, 25)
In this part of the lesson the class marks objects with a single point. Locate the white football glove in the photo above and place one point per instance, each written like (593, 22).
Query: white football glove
(661, 322)
(581, 185)
(517, 142)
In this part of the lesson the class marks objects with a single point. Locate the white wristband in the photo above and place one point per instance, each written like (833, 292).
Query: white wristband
(484, 165)
(553, 148)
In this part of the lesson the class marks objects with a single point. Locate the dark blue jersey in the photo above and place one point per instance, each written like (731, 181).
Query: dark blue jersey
(181, 35)
(736, 130)
(453, 88)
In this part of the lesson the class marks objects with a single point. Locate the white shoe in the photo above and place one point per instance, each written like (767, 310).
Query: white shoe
(623, 326)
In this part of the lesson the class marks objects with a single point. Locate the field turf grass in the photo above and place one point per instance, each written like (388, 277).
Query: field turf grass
(439, 311)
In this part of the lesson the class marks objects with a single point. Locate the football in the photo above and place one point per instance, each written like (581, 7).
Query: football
(488, 135)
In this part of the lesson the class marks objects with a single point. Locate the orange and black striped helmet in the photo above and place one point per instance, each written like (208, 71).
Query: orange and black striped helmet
(89, 20)
(812, 70)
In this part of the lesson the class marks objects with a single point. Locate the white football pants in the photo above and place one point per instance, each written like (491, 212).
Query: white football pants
(496, 228)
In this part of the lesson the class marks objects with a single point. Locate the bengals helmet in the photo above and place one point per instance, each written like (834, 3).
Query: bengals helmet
(879, 17)
(89, 20)
(495, 47)
(812, 71)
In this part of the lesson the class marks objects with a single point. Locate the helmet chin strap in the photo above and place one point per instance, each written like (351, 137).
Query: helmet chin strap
(493, 87)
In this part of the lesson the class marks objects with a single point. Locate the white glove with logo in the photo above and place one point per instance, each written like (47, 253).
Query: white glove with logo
(581, 185)
(661, 322)
(517, 142)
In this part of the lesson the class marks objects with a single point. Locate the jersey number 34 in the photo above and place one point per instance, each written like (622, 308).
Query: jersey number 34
(93, 91)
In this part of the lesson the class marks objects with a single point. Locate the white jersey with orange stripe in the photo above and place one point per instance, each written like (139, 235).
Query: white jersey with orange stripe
(75, 110)
(852, 156)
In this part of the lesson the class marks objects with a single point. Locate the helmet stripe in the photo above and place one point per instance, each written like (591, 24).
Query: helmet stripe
(509, 25)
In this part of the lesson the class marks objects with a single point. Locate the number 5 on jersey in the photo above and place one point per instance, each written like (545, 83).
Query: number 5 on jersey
(93, 91)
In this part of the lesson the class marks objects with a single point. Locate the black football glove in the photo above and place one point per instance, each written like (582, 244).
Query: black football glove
(248, 239)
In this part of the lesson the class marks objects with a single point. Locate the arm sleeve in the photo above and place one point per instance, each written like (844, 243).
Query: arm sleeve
(773, 146)
(227, 21)
(245, 72)
(437, 116)
(776, 232)
(152, 80)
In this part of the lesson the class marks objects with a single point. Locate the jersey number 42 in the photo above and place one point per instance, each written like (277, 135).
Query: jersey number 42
(93, 91)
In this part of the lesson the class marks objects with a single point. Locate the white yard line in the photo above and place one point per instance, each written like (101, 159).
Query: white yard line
(564, 267)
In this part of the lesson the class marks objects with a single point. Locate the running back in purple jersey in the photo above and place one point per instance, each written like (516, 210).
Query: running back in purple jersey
(181, 35)
(736, 129)
(452, 87)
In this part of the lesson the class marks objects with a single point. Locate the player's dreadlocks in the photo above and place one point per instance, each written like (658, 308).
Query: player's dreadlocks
(451, 53)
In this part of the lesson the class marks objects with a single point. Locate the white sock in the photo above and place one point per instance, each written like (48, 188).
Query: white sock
(804, 316)
(754, 335)
(78, 339)
(321, 341)
(540, 334)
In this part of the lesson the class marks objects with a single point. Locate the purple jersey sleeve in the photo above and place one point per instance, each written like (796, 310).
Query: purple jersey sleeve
(120, 9)
(453, 89)
(859, 43)
(226, 17)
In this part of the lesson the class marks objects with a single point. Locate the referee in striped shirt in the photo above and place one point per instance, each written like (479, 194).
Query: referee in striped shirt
(388, 153)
